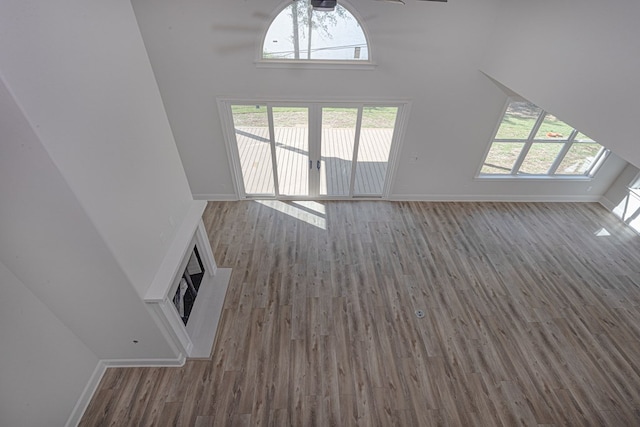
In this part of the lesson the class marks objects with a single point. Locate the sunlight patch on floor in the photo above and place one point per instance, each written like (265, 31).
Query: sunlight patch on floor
(603, 232)
(308, 211)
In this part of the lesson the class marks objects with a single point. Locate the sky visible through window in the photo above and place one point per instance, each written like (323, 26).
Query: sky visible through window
(299, 33)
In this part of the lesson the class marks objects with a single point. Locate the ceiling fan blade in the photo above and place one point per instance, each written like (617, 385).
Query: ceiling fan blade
(234, 48)
(238, 28)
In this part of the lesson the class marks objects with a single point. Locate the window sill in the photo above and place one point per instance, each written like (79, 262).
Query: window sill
(316, 64)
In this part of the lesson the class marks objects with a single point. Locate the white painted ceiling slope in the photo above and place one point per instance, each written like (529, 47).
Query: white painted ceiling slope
(567, 56)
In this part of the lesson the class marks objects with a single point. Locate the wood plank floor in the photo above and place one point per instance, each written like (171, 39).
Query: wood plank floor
(532, 318)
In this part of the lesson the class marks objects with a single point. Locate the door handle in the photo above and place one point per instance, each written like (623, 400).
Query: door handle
(318, 164)
(310, 164)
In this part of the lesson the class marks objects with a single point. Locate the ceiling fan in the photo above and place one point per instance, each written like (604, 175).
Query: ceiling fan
(402, 1)
(330, 5)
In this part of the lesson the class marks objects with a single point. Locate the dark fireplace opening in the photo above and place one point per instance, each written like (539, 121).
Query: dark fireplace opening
(189, 286)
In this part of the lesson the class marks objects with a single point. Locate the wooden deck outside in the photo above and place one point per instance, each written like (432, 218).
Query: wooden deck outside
(292, 159)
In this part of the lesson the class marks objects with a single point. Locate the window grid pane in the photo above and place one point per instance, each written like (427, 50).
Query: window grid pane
(337, 141)
(556, 149)
(291, 127)
(581, 137)
(251, 126)
(579, 159)
(376, 136)
(553, 129)
(501, 158)
(518, 121)
(540, 158)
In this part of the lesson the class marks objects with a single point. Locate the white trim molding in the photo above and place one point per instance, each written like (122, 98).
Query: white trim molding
(195, 339)
(314, 126)
(216, 197)
(144, 363)
(86, 395)
(491, 198)
(316, 64)
(608, 204)
(94, 381)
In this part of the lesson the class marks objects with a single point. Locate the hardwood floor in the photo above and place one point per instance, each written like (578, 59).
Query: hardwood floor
(532, 318)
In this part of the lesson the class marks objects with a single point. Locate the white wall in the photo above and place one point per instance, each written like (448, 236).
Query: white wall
(426, 52)
(89, 180)
(625, 203)
(44, 366)
(49, 243)
(579, 59)
(80, 72)
(616, 195)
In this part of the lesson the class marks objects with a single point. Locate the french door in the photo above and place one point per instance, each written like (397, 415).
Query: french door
(317, 150)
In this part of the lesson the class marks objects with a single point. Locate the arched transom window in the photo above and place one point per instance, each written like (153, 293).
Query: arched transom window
(302, 33)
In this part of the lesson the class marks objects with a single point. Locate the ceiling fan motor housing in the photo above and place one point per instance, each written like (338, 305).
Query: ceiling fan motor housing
(324, 5)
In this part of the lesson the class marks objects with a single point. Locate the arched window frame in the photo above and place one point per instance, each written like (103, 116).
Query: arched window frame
(315, 63)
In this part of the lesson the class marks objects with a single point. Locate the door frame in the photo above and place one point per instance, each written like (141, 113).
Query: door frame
(314, 130)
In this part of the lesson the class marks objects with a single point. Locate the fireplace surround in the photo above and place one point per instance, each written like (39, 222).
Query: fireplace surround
(191, 335)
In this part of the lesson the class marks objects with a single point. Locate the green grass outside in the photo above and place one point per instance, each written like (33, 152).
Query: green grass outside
(336, 117)
(517, 126)
(540, 157)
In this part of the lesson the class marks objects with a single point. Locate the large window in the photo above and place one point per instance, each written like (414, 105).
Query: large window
(531, 142)
(300, 33)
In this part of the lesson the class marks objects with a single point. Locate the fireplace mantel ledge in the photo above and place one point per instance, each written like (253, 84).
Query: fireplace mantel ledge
(165, 275)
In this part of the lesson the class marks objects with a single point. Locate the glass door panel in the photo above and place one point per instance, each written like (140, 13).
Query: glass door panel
(251, 128)
(291, 136)
(336, 150)
(376, 136)
(310, 150)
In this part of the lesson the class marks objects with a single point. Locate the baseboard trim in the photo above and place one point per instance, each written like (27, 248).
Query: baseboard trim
(216, 197)
(608, 204)
(87, 394)
(135, 363)
(443, 198)
(98, 373)
(490, 198)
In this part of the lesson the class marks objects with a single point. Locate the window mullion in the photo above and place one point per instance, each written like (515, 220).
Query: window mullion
(521, 157)
(560, 157)
(315, 148)
(597, 162)
(356, 147)
(272, 143)
(563, 152)
(527, 145)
